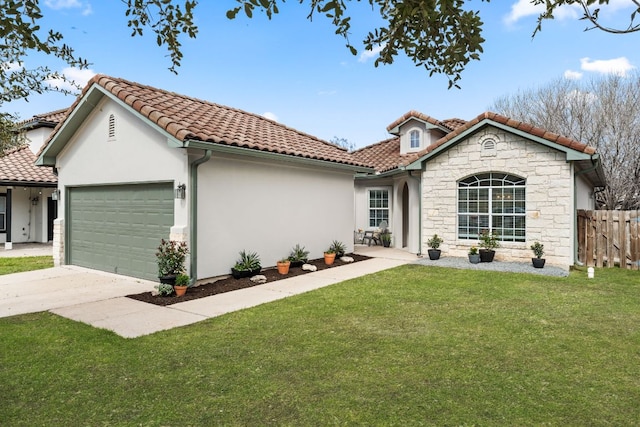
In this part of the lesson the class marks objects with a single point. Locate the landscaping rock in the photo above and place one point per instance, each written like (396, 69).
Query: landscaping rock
(259, 279)
(309, 267)
(346, 259)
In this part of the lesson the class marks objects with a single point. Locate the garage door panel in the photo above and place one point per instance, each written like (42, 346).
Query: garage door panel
(118, 228)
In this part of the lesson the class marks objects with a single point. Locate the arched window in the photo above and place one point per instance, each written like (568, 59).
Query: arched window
(415, 139)
(492, 201)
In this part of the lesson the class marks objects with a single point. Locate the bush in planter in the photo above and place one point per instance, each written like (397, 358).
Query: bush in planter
(538, 251)
(474, 256)
(329, 255)
(247, 265)
(385, 238)
(298, 256)
(434, 243)
(338, 248)
(489, 243)
(171, 255)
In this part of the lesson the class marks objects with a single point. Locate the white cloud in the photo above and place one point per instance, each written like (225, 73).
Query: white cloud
(80, 77)
(70, 4)
(524, 8)
(619, 66)
(368, 54)
(11, 66)
(572, 75)
(271, 116)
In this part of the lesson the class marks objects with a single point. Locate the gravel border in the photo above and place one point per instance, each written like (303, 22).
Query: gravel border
(511, 267)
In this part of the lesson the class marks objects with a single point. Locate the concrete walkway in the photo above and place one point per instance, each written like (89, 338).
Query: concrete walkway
(97, 298)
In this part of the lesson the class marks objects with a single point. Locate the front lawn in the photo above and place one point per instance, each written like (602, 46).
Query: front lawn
(410, 346)
(19, 264)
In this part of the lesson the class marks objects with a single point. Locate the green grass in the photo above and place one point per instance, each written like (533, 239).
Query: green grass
(20, 264)
(409, 346)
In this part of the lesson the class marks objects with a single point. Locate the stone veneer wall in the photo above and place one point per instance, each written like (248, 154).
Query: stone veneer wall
(549, 195)
(58, 242)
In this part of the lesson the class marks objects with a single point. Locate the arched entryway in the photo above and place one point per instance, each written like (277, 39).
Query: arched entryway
(405, 215)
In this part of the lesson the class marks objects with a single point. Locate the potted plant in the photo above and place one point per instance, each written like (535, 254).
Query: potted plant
(298, 256)
(171, 255)
(489, 243)
(329, 256)
(474, 256)
(247, 265)
(283, 266)
(338, 247)
(385, 238)
(538, 251)
(434, 245)
(182, 282)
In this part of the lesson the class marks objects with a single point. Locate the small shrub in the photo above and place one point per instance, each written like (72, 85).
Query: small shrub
(248, 261)
(164, 289)
(298, 254)
(171, 255)
(489, 240)
(338, 248)
(538, 249)
(182, 280)
(435, 242)
(473, 250)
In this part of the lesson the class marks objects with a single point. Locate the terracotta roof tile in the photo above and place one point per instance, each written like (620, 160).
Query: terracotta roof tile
(50, 119)
(417, 115)
(385, 155)
(454, 123)
(533, 130)
(18, 165)
(187, 118)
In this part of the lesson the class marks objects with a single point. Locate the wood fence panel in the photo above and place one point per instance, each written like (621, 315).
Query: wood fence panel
(609, 238)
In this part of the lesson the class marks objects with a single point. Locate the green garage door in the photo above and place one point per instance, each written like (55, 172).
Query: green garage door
(118, 228)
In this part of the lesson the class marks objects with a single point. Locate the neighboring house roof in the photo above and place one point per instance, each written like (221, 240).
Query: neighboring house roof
(50, 119)
(190, 120)
(385, 155)
(17, 167)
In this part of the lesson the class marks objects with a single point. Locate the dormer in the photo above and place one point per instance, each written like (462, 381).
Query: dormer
(417, 131)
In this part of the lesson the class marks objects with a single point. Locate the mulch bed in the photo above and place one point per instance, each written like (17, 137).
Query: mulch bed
(229, 284)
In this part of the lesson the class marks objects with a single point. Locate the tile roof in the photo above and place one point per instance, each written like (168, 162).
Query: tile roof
(454, 123)
(187, 118)
(419, 116)
(17, 166)
(50, 119)
(385, 155)
(515, 124)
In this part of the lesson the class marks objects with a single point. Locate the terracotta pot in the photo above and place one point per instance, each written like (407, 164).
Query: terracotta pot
(329, 258)
(180, 290)
(283, 267)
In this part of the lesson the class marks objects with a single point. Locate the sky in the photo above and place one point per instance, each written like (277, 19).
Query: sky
(300, 73)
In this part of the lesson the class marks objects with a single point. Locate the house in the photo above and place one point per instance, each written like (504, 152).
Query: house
(136, 164)
(455, 178)
(27, 201)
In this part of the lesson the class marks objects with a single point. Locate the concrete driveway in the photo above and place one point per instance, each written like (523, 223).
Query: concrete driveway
(59, 287)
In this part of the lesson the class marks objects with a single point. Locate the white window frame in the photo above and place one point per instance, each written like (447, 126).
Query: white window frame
(3, 213)
(373, 221)
(492, 201)
(417, 139)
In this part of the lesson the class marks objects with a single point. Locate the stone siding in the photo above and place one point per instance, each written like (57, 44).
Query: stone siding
(549, 195)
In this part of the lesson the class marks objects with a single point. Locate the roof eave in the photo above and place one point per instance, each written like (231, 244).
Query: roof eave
(571, 154)
(233, 149)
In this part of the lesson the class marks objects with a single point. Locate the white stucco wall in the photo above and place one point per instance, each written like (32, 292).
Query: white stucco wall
(37, 137)
(395, 186)
(28, 221)
(549, 195)
(268, 207)
(137, 154)
(584, 194)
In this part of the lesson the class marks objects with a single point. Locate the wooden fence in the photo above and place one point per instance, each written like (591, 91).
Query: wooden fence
(609, 238)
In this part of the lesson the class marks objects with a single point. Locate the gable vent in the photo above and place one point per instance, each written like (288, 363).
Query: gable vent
(112, 127)
(489, 145)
